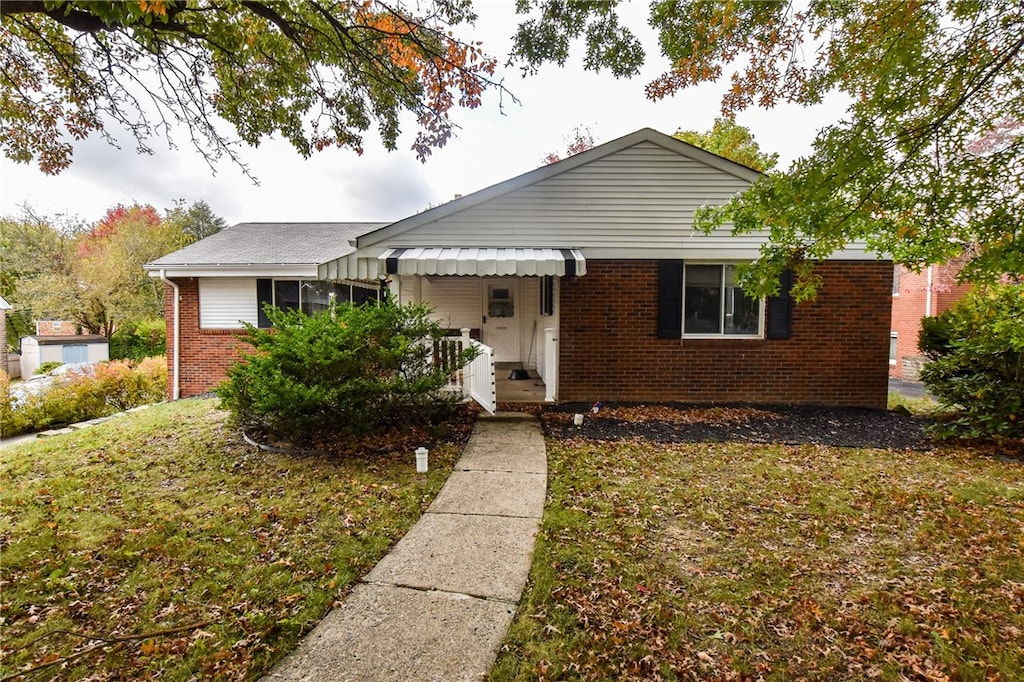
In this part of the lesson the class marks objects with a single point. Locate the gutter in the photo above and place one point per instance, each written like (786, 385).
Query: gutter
(176, 382)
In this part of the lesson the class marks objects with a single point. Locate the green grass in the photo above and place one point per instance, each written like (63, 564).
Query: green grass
(924, 406)
(164, 519)
(732, 561)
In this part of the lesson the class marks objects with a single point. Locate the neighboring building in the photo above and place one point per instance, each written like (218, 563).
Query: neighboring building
(57, 328)
(587, 271)
(36, 350)
(916, 295)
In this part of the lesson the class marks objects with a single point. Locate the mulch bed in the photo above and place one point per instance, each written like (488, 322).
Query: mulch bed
(789, 425)
(401, 437)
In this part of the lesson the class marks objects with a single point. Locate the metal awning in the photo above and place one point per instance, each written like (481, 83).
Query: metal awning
(484, 262)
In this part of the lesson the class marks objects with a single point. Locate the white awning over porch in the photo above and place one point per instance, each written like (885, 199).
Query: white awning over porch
(483, 262)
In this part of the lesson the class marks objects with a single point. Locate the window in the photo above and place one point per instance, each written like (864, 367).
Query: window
(896, 280)
(893, 346)
(310, 296)
(713, 304)
(500, 302)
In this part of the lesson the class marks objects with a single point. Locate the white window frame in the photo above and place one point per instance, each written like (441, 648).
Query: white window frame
(894, 348)
(759, 334)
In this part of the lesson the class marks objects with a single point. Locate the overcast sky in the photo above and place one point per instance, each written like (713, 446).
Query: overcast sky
(493, 144)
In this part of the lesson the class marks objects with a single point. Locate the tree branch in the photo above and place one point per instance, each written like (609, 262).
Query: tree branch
(104, 642)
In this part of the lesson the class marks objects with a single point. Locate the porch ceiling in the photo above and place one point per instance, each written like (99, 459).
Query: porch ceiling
(484, 262)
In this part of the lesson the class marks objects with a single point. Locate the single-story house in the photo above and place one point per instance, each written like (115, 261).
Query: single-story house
(587, 271)
(37, 350)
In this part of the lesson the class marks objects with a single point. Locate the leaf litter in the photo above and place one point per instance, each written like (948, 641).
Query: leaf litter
(672, 550)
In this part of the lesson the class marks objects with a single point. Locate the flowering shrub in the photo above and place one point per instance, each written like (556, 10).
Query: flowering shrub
(111, 387)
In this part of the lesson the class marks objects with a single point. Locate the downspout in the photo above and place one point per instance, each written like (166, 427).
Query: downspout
(175, 385)
(928, 295)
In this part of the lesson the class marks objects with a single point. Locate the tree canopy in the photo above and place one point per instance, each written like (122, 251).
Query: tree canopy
(197, 221)
(732, 141)
(318, 74)
(928, 161)
(90, 275)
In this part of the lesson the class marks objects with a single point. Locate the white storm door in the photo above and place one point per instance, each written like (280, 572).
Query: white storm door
(500, 328)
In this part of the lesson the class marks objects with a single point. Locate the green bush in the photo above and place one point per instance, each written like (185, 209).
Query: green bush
(139, 340)
(349, 370)
(47, 367)
(12, 421)
(113, 387)
(977, 364)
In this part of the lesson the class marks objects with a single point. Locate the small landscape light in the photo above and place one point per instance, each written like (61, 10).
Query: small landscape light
(421, 460)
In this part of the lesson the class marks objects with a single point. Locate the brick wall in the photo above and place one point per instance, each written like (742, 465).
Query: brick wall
(912, 304)
(57, 328)
(837, 355)
(206, 354)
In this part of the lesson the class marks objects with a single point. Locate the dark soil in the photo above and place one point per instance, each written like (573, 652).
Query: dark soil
(789, 425)
(456, 430)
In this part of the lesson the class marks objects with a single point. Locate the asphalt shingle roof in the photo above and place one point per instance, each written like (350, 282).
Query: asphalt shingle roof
(270, 243)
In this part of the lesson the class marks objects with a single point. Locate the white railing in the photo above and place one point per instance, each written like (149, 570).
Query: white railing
(547, 365)
(473, 381)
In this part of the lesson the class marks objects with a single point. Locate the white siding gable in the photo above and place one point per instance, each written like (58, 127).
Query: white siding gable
(637, 201)
(226, 303)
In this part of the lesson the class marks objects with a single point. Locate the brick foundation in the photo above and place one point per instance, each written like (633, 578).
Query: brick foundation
(206, 354)
(837, 355)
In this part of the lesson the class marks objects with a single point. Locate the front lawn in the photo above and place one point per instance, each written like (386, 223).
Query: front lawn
(160, 546)
(745, 561)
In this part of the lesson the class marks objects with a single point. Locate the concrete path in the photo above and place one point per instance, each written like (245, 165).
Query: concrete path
(438, 606)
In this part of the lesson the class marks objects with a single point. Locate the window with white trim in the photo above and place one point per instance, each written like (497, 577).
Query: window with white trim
(893, 347)
(714, 305)
(310, 296)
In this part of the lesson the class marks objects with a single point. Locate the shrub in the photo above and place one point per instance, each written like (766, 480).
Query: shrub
(47, 367)
(349, 369)
(12, 421)
(111, 387)
(139, 340)
(977, 364)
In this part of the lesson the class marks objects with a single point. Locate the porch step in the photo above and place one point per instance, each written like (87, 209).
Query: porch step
(507, 417)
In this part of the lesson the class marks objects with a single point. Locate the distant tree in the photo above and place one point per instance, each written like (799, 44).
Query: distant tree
(32, 247)
(197, 221)
(580, 140)
(317, 74)
(732, 141)
(95, 277)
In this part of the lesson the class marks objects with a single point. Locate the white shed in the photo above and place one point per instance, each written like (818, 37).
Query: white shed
(36, 350)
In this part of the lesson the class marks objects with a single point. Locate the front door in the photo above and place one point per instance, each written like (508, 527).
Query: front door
(500, 328)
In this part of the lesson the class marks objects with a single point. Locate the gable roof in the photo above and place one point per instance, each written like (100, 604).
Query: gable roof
(294, 249)
(740, 174)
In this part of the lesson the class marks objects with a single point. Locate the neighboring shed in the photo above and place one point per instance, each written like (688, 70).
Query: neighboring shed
(36, 350)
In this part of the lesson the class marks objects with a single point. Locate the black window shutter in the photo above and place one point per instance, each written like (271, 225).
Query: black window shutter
(264, 296)
(779, 309)
(670, 299)
(547, 295)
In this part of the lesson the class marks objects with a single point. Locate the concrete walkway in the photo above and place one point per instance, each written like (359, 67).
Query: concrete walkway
(438, 606)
